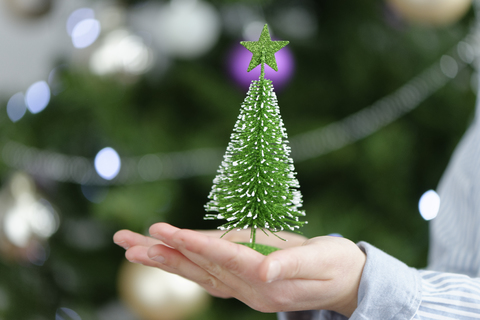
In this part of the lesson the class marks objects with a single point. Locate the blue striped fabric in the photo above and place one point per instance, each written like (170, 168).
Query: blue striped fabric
(450, 285)
(455, 233)
(449, 296)
(451, 290)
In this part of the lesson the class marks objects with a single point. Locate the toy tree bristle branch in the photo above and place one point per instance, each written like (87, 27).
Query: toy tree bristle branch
(255, 186)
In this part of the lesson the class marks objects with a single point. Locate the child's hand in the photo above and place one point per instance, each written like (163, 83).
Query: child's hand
(320, 273)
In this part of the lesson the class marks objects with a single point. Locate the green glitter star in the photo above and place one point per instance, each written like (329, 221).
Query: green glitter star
(264, 50)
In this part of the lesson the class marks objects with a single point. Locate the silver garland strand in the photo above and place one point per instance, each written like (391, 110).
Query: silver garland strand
(178, 165)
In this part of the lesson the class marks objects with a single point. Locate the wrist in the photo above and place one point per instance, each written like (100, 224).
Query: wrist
(352, 279)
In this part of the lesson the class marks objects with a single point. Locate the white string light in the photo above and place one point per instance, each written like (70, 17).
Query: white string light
(83, 28)
(177, 165)
(81, 170)
(429, 204)
(107, 163)
(16, 107)
(37, 96)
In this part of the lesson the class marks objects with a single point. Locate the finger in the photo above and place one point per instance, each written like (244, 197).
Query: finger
(127, 239)
(233, 265)
(320, 258)
(162, 231)
(225, 260)
(139, 254)
(173, 261)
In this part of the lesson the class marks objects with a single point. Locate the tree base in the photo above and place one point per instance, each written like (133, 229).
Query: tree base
(261, 248)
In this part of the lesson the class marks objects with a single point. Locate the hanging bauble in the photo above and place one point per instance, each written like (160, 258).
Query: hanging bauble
(238, 58)
(154, 294)
(187, 28)
(30, 8)
(431, 12)
(121, 52)
(27, 220)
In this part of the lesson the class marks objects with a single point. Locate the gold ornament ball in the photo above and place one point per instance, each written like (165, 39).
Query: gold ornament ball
(154, 294)
(431, 12)
(30, 8)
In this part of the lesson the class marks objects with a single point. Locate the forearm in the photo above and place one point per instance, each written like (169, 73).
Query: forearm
(391, 290)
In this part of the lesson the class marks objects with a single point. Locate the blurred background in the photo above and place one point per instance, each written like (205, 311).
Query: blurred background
(116, 113)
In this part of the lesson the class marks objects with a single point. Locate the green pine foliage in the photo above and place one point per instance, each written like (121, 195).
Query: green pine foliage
(256, 185)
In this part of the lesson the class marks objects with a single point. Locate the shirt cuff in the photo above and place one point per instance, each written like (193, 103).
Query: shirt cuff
(389, 289)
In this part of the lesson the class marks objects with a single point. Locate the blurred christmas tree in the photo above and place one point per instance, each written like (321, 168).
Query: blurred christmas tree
(160, 97)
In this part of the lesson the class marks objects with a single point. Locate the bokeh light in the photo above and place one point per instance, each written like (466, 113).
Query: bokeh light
(107, 163)
(239, 58)
(16, 227)
(449, 66)
(466, 52)
(188, 28)
(77, 16)
(55, 81)
(37, 96)
(83, 28)
(43, 221)
(429, 205)
(158, 295)
(85, 33)
(121, 52)
(436, 13)
(29, 217)
(16, 107)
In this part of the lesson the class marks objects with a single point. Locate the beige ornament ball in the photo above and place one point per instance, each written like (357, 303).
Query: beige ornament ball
(154, 294)
(26, 221)
(431, 12)
(30, 8)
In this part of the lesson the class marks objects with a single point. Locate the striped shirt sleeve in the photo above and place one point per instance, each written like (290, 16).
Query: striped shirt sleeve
(448, 296)
(390, 290)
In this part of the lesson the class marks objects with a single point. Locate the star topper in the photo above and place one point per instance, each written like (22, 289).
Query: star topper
(264, 50)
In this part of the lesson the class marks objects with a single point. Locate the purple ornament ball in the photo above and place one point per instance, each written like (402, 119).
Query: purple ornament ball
(239, 57)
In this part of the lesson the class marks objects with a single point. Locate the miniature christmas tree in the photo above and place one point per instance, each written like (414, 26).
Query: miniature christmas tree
(256, 185)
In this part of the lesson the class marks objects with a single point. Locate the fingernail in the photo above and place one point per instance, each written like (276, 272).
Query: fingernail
(157, 236)
(159, 259)
(122, 244)
(135, 261)
(273, 272)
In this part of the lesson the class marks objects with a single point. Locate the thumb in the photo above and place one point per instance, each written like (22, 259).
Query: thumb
(318, 258)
